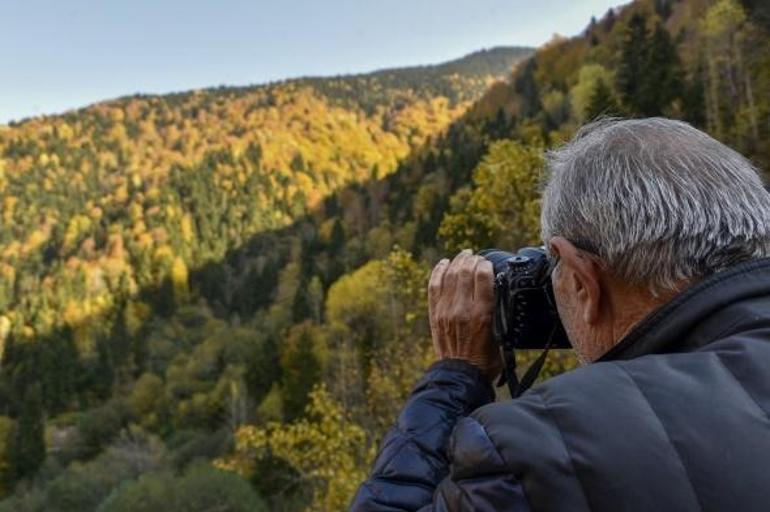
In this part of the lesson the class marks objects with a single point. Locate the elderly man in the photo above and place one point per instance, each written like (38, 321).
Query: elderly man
(662, 237)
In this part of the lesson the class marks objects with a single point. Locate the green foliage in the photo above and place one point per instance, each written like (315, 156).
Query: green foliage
(27, 449)
(633, 63)
(503, 206)
(327, 449)
(649, 75)
(6, 476)
(148, 400)
(582, 94)
(303, 355)
(100, 426)
(733, 108)
(663, 79)
(83, 486)
(602, 102)
(202, 488)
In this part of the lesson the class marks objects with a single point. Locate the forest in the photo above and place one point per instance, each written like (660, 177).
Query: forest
(216, 299)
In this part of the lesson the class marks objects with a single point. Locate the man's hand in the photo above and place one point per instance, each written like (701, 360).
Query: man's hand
(461, 301)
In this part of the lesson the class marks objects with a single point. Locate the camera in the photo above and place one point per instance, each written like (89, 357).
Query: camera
(525, 314)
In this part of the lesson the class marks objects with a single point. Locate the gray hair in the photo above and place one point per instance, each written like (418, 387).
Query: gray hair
(657, 200)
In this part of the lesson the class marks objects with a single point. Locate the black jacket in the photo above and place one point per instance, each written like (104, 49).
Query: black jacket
(675, 418)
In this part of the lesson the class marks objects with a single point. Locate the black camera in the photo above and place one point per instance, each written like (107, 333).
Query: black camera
(525, 314)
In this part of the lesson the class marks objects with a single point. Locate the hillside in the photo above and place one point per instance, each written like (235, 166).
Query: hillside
(119, 214)
(180, 179)
(239, 274)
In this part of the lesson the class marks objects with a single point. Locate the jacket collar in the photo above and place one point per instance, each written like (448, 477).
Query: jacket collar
(706, 311)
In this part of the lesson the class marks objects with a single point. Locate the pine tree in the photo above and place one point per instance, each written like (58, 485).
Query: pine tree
(498, 126)
(633, 60)
(602, 101)
(526, 86)
(301, 368)
(337, 238)
(649, 75)
(662, 78)
(301, 307)
(28, 443)
(103, 370)
(694, 99)
(608, 22)
(59, 367)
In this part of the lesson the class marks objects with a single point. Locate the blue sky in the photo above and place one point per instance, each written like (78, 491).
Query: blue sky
(62, 54)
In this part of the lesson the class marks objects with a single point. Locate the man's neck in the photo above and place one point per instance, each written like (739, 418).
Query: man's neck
(630, 305)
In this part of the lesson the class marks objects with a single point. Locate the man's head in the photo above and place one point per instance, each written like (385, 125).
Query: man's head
(637, 210)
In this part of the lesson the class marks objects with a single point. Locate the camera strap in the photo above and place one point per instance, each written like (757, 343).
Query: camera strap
(532, 372)
(515, 386)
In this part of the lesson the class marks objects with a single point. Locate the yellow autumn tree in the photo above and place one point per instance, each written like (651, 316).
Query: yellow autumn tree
(180, 280)
(327, 449)
(502, 207)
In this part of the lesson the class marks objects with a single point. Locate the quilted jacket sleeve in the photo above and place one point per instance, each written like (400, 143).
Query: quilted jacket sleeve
(422, 466)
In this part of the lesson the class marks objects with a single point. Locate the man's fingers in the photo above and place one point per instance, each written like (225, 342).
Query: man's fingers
(436, 281)
(484, 282)
(453, 271)
(465, 272)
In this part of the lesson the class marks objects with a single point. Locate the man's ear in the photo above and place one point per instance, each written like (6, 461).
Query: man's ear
(582, 278)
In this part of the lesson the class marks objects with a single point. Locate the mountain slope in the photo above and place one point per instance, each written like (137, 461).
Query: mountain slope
(116, 222)
(98, 190)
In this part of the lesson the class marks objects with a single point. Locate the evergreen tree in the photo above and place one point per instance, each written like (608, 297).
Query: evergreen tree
(662, 77)
(694, 99)
(59, 367)
(497, 127)
(164, 301)
(298, 163)
(301, 308)
(28, 442)
(526, 86)
(103, 370)
(608, 22)
(301, 368)
(602, 101)
(649, 76)
(337, 238)
(633, 59)
(663, 8)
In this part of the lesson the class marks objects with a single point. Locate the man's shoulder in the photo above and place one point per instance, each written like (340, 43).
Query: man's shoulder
(618, 392)
(539, 430)
(559, 391)
(610, 421)
(593, 391)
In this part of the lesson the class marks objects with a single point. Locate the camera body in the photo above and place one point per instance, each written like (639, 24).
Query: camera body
(525, 314)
